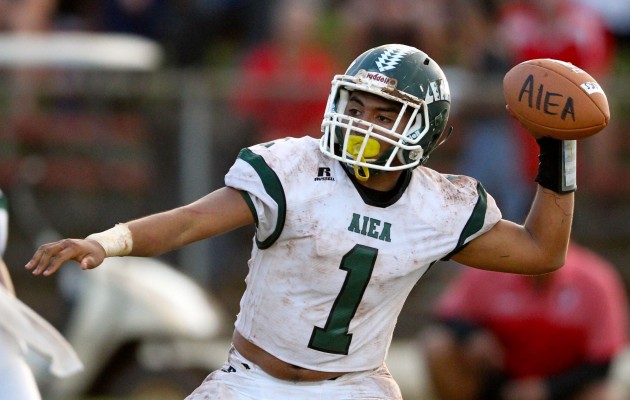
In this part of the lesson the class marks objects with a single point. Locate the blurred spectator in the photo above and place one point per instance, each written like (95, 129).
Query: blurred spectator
(490, 143)
(616, 14)
(478, 47)
(282, 83)
(74, 15)
(508, 337)
(563, 29)
(26, 15)
(419, 23)
(211, 32)
(20, 17)
(140, 17)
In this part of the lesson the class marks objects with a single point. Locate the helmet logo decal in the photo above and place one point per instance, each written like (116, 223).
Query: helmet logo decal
(391, 58)
(436, 90)
(376, 79)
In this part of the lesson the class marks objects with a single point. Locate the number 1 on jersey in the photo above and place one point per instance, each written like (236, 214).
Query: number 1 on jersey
(334, 337)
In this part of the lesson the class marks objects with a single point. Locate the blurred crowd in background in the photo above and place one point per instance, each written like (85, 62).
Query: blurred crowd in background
(280, 48)
(280, 56)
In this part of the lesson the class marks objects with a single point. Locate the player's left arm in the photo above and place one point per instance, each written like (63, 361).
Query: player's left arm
(538, 246)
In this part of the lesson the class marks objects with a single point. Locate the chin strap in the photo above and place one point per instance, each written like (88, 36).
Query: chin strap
(370, 148)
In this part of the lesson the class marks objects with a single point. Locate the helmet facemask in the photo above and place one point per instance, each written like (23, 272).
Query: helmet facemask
(353, 141)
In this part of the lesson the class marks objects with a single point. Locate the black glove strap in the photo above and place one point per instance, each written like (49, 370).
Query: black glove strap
(557, 165)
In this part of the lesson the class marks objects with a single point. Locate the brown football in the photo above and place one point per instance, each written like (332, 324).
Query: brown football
(556, 98)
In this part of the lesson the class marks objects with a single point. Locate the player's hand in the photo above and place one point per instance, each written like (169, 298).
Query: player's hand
(49, 257)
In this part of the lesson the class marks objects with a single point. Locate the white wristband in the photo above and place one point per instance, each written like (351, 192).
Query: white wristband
(116, 241)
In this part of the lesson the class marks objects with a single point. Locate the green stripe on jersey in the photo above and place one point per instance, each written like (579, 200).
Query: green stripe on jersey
(273, 187)
(475, 222)
(3, 202)
(250, 204)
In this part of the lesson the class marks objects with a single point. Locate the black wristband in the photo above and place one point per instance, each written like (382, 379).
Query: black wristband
(557, 165)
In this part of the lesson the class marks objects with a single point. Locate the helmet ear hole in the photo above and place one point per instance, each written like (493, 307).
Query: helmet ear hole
(418, 123)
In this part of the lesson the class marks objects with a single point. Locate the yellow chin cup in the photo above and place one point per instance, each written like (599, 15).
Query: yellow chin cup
(372, 148)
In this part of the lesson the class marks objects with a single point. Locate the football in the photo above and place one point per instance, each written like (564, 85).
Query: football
(555, 98)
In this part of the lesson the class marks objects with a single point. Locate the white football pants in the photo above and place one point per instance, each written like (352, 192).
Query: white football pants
(240, 379)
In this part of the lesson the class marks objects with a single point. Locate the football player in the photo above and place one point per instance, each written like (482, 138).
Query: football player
(345, 227)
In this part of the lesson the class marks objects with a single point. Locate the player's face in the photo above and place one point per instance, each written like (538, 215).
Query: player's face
(376, 110)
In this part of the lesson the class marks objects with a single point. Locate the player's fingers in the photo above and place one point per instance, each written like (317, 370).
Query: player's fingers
(49, 257)
(34, 261)
(49, 261)
(40, 258)
(56, 262)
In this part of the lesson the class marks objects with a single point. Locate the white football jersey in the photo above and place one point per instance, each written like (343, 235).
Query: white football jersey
(330, 270)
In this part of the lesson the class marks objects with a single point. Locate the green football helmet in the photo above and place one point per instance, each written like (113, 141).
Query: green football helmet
(397, 73)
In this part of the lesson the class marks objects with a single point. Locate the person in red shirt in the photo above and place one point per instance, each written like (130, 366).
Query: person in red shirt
(283, 80)
(509, 336)
(563, 29)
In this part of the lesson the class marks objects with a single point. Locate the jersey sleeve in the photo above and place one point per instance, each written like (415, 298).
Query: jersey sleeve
(481, 208)
(262, 190)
